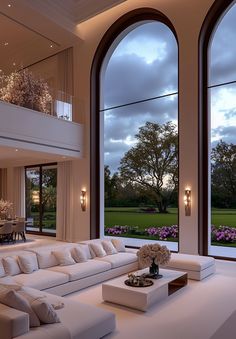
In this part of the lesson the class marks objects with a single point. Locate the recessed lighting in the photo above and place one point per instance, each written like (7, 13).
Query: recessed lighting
(9, 5)
(6, 43)
(16, 150)
(13, 63)
(51, 46)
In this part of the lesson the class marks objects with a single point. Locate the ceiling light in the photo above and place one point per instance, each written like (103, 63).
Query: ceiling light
(9, 5)
(16, 150)
(51, 46)
(14, 64)
(6, 43)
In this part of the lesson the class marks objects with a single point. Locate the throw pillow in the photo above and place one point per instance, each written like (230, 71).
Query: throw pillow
(11, 265)
(2, 270)
(13, 299)
(98, 249)
(109, 247)
(45, 311)
(78, 254)
(64, 258)
(119, 245)
(28, 263)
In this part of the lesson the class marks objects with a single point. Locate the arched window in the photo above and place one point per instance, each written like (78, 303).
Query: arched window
(138, 140)
(219, 124)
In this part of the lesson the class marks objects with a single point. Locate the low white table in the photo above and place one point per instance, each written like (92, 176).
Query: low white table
(141, 298)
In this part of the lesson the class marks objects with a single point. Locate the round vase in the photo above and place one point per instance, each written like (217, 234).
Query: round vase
(154, 271)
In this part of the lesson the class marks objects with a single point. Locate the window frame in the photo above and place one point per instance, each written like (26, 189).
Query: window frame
(209, 26)
(121, 25)
(40, 166)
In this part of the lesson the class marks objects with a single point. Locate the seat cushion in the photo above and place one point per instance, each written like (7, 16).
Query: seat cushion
(190, 262)
(41, 279)
(119, 259)
(83, 269)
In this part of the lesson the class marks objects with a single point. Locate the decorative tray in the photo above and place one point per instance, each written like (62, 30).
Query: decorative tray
(139, 282)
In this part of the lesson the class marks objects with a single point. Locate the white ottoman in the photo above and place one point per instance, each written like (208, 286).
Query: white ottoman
(198, 267)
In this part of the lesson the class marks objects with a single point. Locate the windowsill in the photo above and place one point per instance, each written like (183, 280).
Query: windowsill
(222, 251)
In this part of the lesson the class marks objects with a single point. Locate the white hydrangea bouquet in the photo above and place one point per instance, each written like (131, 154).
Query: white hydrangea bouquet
(152, 256)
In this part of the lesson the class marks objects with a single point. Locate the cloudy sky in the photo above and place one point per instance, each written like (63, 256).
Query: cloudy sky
(145, 65)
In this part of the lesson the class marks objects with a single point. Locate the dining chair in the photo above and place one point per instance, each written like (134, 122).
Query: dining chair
(19, 230)
(6, 232)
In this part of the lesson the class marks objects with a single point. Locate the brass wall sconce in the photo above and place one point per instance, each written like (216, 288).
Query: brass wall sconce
(83, 200)
(187, 202)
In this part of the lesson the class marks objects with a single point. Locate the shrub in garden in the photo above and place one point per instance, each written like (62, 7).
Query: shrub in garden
(224, 234)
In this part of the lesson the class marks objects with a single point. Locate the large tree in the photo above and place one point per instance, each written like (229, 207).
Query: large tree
(223, 175)
(152, 163)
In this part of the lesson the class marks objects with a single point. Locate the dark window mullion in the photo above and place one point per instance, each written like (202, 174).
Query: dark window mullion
(40, 199)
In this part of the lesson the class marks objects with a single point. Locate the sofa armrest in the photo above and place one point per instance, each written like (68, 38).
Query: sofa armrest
(13, 322)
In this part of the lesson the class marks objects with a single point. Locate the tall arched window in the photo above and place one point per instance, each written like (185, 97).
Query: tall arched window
(220, 132)
(139, 134)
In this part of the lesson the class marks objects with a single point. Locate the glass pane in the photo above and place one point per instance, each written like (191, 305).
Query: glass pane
(49, 195)
(141, 170)
(223, 50)
(143, 65)
(32, 198)
(223, 166)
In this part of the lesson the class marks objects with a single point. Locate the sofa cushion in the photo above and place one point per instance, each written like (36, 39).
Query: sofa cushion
(2, 270)
(79, 254)
(46, 258)
(41, 279)
(109, 247)
(119, 259)
(190, 262)
(11, 265)
(63, 257)
(87, 243)
(13, 299)
(28, 263)
(98, 249)
(44, 311)
(83, 269)
(119, 245)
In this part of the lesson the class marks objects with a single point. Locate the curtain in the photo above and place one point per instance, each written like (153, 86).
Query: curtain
(3, 183)
(19, 191)
(65, 201)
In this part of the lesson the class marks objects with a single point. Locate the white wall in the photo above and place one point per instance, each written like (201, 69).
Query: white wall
(187, 17)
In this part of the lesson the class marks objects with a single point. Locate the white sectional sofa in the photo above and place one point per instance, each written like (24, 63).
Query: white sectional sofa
(52, 271)
(65, 268)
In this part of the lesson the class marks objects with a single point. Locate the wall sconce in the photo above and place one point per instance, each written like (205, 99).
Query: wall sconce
(187, 201)
(83, 200)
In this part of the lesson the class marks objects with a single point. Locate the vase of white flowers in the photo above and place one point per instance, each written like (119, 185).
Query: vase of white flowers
(152, 256)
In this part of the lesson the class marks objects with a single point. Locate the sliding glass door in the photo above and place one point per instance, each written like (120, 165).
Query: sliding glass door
(41, 192)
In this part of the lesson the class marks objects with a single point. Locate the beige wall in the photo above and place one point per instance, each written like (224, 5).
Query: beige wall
(187, 18)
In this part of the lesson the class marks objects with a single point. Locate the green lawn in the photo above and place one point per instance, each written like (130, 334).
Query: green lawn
(131, 216)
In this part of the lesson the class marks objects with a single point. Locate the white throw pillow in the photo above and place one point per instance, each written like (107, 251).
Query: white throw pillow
(78, 254)
(87, 250)
(98, 249)
(45, 311)
(109, 247)
(46, 259)
(64, 258)
(28, 263)
(11, 265)
(2, 270)
(119, 245)
(13, 299)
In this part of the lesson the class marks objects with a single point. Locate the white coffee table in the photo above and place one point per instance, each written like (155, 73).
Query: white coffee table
(141, 298)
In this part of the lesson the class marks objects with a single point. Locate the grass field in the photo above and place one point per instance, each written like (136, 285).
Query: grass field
(131, 216)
